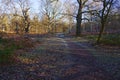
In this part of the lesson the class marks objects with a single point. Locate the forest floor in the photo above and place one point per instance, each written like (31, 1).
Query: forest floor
(65, 58)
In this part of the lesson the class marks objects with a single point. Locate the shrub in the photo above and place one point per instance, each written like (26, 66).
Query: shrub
(111, 39)
(6, 55)
(8, 46)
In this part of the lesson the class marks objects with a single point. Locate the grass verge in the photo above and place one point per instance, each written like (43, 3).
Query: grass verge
(107, 39)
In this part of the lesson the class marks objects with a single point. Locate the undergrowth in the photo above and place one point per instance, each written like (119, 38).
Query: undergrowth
(9, 46)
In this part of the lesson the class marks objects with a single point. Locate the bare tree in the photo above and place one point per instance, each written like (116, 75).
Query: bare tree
(70, 13)
(81, 4)
(4, 16)
(103, 14)
(50, 11)
(25, 7)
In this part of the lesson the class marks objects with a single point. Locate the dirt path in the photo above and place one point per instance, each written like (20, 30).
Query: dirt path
(56, 59)
(86, 67)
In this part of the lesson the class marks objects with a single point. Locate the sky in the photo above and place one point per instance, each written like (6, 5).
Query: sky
(36, 4)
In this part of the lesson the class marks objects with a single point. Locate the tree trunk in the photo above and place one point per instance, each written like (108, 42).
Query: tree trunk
(106, 5)
(101, 32)
(78, 27)
(27, 28)
(17, 30)
(79, 20)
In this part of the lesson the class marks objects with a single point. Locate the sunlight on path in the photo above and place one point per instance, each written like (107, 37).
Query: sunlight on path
(57, 59)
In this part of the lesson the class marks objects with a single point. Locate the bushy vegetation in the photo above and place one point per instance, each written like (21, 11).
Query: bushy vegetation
(9, 46)
(112, 39)
(107, 39)
(6, 51)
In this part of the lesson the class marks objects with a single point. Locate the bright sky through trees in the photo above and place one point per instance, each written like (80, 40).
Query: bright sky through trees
(36, 4)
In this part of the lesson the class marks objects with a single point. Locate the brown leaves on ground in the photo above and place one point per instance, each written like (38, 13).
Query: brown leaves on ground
(14, 45)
